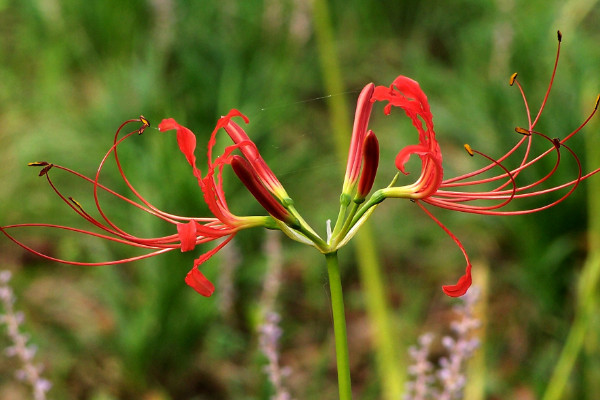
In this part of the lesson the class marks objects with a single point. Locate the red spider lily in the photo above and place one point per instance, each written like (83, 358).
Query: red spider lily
(191, 231)
(432, 189)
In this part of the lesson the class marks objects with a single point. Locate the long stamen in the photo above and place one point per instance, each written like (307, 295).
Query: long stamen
(559, 36)
(515, 172)
(572, 185)
(130, 239)
(31, 250)
(466, 196)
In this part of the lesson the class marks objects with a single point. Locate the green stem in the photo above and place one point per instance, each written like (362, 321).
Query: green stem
(306, 229)
(339, 235)
(344, 202)
(390, 366)
(373, 201)
(339, 326)
(570, 352)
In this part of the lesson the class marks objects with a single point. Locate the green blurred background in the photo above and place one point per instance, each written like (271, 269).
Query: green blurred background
(72, 71)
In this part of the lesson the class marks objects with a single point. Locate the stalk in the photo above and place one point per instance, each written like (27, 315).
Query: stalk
(390, 367)
(339, 326)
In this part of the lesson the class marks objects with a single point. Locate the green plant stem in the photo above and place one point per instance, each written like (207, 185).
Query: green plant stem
(570, 352)
(339, 326)
(344, 202)
(390, 367)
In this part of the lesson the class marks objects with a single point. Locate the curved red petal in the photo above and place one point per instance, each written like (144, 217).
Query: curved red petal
(199, 283)
(406, 152)
(185, 138)
(407, 94)
(232, 113)
(196, 279)
(461, 287)
(187, 235)
(167, 124)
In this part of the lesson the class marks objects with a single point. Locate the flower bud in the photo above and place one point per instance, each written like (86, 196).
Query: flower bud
(246, 174)
(370, 164)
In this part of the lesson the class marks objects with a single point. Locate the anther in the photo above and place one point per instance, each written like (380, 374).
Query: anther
(145, 123)
(44, 164)
(77, 204)
(597, 101)
(559, 36)
(513, 77)
(45, 170)
(522, 131)
(469, 150)
(556, 142)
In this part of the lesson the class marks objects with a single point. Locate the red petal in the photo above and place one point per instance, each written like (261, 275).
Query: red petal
(199, 283)
(461, 286)
(187, 235)
(406, 152)
(185, 138)
(232, 113)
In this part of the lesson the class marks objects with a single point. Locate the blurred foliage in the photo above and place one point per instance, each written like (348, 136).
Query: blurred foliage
(72, 71)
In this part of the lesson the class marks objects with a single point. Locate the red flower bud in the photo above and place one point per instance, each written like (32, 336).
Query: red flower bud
(370, 164)
(246, 174)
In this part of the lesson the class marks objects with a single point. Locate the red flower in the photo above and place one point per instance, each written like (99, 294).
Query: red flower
(190, 231)
(432, 189)
(467, 193)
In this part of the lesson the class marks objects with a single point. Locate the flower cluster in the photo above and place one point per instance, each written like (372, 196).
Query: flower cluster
(466, 193)
(270, 333)
(23, 351)
(447, 382)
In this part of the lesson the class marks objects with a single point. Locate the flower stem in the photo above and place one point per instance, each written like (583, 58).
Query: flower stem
(339, 326)
(390, 367)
